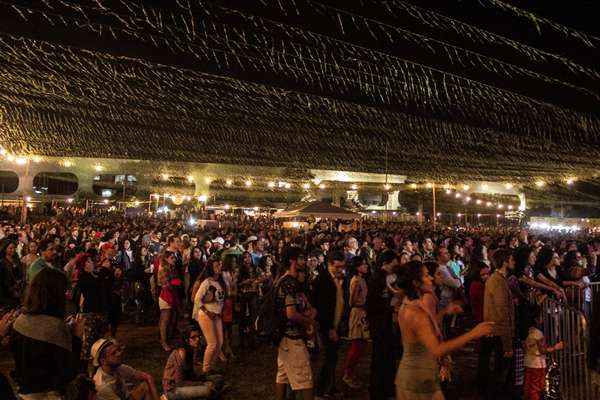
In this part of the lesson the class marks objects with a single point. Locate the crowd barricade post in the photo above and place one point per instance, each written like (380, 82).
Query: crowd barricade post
(566, 323)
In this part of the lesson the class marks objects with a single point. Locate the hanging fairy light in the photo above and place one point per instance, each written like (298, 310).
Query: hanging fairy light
(457, 195)
(459, 215)
(439, 214)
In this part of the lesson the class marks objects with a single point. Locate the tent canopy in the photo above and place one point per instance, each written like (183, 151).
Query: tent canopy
(317, 209)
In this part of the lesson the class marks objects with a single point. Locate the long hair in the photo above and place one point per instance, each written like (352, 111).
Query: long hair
(410, 273)
(46, 293)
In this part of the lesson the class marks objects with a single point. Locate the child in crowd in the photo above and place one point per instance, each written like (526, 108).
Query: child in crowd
(535, 357)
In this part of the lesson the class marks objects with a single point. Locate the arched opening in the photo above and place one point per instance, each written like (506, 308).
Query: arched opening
(9, 181)
(55, 183)
(113, 185)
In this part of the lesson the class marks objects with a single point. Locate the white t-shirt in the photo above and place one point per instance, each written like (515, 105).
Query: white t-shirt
(587, 292)
(533, 357)
(114, 387)
(210, 295)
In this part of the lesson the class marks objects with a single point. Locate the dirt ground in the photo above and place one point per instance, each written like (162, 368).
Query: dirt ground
(251, 375)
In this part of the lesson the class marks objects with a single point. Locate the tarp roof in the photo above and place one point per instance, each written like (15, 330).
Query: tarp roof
(317, 209)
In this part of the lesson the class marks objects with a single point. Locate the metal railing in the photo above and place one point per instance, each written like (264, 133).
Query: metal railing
(568, 322)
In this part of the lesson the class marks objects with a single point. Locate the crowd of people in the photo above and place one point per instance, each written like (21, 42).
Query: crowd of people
(416, 295)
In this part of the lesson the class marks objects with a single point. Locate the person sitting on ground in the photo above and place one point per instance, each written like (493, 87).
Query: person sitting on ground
(180, 380)
(46, 350)
(113, 378)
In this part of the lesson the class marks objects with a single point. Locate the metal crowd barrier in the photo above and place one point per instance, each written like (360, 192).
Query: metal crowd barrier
(568, 322)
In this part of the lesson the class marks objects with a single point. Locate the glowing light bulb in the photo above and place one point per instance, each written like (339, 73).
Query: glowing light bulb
(448, 191)
(439, 214)
(98, 167)
(478, 215)
(459, 215)
(484, 186)
(67, 163)
(429, 185)
(21, 160)
(477, 201)
(36, 159)
(288, 185)
(571, 180)
(466, 187)
(354, 186)
(248, 183)
(508, 186)
(489, 204)
(227, 206)
(271, 184)
(228, 182)
(208, 180)
(498, 215)
(413, 185)
(105, 201)
(540, 183)
(28, 198)
(418, 213)
(306, 186)
(446, 186)
(322, 186)
(467, 199)
(500, 206)
(190, 179)
(510, 207)
(457, 195)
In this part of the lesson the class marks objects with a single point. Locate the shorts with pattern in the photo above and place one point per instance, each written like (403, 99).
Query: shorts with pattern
(293, 364)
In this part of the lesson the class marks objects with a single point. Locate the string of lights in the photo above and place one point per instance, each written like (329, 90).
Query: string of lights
(57, 100)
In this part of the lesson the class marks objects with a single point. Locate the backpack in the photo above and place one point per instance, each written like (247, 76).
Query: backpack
(269, 323)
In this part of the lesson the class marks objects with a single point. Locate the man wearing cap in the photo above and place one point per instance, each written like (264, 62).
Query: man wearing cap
(113, 378)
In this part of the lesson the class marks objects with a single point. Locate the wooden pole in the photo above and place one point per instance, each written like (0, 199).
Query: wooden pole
(434, 216)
